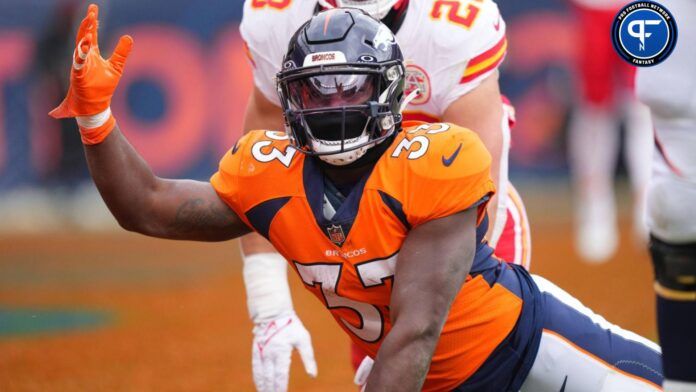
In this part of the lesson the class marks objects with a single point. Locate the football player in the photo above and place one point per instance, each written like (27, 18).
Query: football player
(453, 50)
(393, 243)
(606, 98)
(669, 89)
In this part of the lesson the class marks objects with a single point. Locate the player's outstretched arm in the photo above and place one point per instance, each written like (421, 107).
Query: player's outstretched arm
(147, 204)
(432, 266)
(139, 200)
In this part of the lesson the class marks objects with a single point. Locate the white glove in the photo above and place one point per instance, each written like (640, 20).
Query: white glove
(363, 373)
(277, 329)
(272, 349)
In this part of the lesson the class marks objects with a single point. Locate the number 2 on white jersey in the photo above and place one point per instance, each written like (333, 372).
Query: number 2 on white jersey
(276, 4)
(455, 14)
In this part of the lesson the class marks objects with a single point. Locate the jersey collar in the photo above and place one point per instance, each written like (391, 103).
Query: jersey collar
(314, 188)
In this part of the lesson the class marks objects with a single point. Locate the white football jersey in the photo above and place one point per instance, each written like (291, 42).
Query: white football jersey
(602, 4)
(669, 89)
(450, 47)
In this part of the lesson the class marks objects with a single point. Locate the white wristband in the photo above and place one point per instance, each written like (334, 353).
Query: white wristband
(94, 121)
(266, 281)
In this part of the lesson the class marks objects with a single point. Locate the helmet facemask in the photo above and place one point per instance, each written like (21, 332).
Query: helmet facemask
(338, 112)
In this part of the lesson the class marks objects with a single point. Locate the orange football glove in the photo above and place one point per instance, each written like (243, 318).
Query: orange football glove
(93, 81)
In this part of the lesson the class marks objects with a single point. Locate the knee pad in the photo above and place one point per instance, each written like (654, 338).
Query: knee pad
(675, 269)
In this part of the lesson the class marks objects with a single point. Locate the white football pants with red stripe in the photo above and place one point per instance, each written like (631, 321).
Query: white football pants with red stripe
(514, 244)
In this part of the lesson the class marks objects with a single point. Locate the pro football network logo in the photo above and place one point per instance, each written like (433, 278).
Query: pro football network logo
(644, 33)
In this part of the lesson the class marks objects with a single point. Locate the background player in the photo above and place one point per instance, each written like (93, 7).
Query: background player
(670, 91)
(404, 200)
(453, 62)
(606, 98)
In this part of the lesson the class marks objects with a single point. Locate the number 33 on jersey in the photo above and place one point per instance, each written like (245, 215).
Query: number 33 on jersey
(428, 172)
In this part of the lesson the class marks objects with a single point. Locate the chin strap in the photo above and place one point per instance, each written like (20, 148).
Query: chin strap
(410, 97)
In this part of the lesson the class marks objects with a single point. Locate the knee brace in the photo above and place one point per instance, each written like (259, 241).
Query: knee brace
(675, 269)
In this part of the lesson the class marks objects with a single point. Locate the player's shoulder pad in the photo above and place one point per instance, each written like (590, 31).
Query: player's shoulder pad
(435, 170)
(260, 152)
(440, 151)
(463, 28)
(260, 166)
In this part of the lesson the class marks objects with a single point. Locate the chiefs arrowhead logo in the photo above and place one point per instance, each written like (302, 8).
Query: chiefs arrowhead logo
(417, 78)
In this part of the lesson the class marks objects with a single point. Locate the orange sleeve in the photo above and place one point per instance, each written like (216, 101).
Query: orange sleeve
(453, 176)
(226, 180)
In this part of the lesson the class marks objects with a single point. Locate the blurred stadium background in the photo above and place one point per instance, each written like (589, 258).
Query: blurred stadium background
(87, 306)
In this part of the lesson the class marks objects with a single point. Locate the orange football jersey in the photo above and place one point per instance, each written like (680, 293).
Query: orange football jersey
(429, 171)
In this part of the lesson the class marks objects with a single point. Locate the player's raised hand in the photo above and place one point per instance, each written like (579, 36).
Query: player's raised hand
(93, 79)
(272, 351)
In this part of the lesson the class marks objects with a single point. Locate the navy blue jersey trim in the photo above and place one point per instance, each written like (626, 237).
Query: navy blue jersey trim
(481, 229)
(261, 215)
(396, 208)
(509, 364)
(314, 186)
